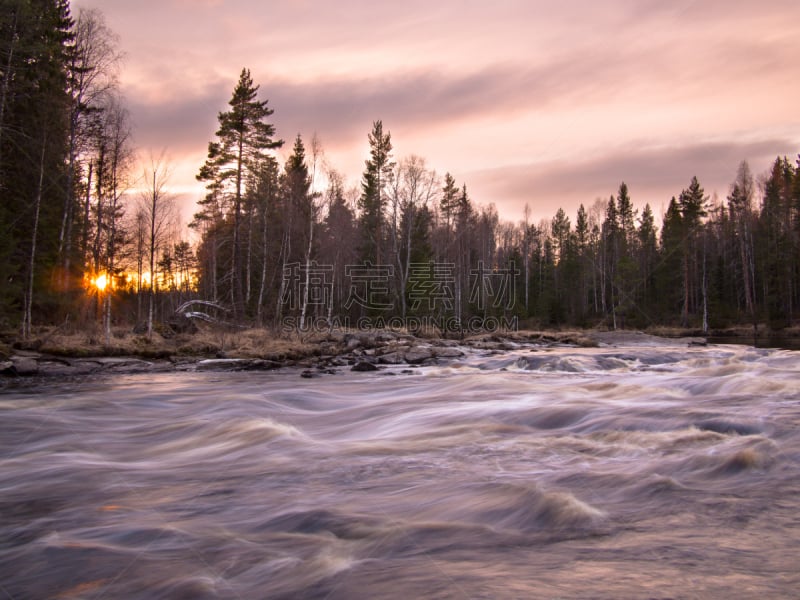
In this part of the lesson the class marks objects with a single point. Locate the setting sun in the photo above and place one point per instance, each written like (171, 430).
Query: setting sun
(101, 282)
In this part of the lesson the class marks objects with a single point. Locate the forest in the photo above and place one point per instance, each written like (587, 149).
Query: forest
(89, 235)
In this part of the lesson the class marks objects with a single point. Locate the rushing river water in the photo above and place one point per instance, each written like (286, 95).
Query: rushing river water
(637, 472)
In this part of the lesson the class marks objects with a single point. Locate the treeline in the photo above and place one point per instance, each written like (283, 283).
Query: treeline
(89, 236)
(407, 243)
(77, 245)
(276, 249)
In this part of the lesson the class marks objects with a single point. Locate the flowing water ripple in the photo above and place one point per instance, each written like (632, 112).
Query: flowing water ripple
(569, 473)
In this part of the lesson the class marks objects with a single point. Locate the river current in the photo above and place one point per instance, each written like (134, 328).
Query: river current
(652, 471)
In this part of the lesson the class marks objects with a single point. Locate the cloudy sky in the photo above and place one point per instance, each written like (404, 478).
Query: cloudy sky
(547, 102)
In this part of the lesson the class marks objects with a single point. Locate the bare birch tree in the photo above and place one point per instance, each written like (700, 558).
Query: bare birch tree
(313, 210)
(158, 206)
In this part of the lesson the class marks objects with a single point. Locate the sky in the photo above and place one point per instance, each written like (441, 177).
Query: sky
(538, 102)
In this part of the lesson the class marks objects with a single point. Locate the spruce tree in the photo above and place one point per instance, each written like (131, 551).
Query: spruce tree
(626, 275)
(610, 260)
(583, 264)
(377, 176)
(339, 239)
(647, 252)
(692, 202)
(297, 215)
(626, 218)
(34, 41)
(449, 199)
(777, 248)
(740, 203)
(669, 270)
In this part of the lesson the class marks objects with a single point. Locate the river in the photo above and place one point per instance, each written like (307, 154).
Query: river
(651, 471)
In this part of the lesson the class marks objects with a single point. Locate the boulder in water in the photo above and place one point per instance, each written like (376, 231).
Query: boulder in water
(352, 343)
(448, 353)
(418, 354)
(7, 368)
(364, 366)
(25, 365)
(391, 358)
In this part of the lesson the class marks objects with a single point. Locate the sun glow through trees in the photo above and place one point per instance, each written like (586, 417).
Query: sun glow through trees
(100, 282)
(131, 282)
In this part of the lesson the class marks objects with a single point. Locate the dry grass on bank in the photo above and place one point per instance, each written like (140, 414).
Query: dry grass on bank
(216, 341)
(736, 331)
(568, 336)
(206, 342)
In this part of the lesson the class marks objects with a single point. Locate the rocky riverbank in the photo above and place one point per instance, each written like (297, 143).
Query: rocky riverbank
(256, 351)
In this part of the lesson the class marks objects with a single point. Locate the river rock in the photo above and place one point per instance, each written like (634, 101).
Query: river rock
(124, 363)
(385, 336)
(237, 364)
(448, 353)
(262, 364)
(66, 368)
(418, 354)
(328, 347)
(364, 366)
(25, 365)
(392, 347)
(220, 364)
(7, 368)
(391, 358)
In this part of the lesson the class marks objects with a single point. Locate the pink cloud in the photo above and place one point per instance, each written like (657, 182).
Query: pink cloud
(481, 89)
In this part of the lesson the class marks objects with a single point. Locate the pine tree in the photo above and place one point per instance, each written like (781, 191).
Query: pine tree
(244, 137)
